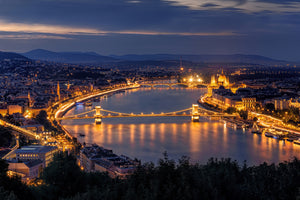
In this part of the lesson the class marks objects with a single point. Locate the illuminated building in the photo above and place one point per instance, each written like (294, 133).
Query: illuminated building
(14, 109)
(282, 103)
(222, 80)
(96, 158)
(35, 152)
(26, 170)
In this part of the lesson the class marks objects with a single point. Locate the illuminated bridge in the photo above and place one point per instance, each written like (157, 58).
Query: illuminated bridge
(152, 85)
(195, 112)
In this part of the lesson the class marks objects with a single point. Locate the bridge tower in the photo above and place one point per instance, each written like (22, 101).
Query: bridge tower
(195, 113)
(98, 116)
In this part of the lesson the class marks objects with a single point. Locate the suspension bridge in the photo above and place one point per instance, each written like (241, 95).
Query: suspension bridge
(195, 112)
(170, 85)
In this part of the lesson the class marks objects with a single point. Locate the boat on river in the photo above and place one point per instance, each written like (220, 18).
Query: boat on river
(88, 103)
(297, 141)
(276, 135)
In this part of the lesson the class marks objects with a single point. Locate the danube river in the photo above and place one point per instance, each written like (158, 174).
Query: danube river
(148, 138)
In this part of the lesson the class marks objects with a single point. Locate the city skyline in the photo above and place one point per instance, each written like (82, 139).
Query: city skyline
(264, 27)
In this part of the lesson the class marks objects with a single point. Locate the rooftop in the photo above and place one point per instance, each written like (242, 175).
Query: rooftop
(35, 149)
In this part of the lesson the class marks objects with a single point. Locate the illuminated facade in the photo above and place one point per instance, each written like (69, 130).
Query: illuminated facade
(222, 80)
(26, 170)
(44, 153)
(215, 83)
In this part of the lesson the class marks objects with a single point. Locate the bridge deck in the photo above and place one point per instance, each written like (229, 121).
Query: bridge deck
(146, 115)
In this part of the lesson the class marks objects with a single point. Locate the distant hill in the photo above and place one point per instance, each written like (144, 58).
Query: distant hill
(92, 58)
(68, 57)
(11, 56)
(235, 58)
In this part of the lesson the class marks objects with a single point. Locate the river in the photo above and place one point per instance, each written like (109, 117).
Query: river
(148, 138)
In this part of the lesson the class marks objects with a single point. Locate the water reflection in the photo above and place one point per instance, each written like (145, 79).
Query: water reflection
(148, 138)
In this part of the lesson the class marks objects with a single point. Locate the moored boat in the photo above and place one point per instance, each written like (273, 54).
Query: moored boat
(268, 134)
(297, 141)
(256, 132)
(88, 103)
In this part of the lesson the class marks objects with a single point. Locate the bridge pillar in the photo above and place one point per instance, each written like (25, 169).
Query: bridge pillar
(98, 116)
(195, 113)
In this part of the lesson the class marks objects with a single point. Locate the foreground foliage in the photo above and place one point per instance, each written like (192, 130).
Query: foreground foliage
(218, 179)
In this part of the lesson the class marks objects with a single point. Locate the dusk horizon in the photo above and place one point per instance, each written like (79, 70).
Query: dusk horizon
(264, 27)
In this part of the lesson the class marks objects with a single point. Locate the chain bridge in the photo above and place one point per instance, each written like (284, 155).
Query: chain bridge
(195, 112)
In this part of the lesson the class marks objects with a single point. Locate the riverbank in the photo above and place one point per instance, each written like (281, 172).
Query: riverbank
(72, 102)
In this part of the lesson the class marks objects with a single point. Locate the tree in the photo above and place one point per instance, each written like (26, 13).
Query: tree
(5, 137)
(230, 110)
(42, 118)
(12, 187)
(270, 107)
(244, 114)
(63, 177)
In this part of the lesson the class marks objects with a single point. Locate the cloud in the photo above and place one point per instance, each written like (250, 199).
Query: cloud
(245, 5)
(31, 37)
(134, 2)
(63, 30)
(43, 28)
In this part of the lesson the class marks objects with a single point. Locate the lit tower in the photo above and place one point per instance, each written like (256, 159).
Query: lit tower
(68, 86)
(98, 115)
(91, 87)
(195, 113)
(29, 100)
(213, 80)
(58, 91)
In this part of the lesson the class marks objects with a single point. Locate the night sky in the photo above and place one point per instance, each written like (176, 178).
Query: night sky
(264, 27)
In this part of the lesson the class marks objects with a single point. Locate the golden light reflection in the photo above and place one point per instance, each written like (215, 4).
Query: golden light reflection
(162, 132)
(109, 134)
(215, 132)
(204, 130)
(195, 137)
(142, 131)
(152, 131)
(225, 136)
(255, 141)
(76, 130)
(131, 129)
(120, 133)
(184, 128)
(174, 133)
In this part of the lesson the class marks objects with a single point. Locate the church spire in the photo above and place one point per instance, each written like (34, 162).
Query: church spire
(58, 91)
(29, 99)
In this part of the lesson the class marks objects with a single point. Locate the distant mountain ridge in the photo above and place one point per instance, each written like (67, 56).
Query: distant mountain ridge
(234, 58)
(11, 56)
(68, 57)
(93, 58)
